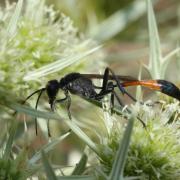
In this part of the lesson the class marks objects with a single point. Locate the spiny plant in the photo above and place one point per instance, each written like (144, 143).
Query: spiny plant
(154, 151)
(144, 160)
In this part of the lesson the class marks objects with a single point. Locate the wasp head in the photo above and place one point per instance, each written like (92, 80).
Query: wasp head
(52, 88)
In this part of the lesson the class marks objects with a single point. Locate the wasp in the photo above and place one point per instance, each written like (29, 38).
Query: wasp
(82, 85)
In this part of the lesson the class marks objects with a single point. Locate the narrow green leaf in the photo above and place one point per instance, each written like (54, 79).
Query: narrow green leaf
(82, 136)
(155, 48)
(32, 112)
(9, 143)
(59, 64)
(133, 178)
(80, 167)
(51, 175)
(139, 89)
(77, 178)
(119, 162)
(12, 26)
(46, 148)
(166, 60)
(101, 173)
(48, 169)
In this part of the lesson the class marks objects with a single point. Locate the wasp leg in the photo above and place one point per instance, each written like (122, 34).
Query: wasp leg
(114, 94)
(119, 85)
(68, 98)
(107, 87)
(68, 106)
(112, 102)
(106, 78)
(128, 110)
(36, 124)
(52, 109)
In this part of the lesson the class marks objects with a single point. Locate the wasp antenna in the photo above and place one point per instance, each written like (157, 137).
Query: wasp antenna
(41, 91)
(33, 94)
(39, 96)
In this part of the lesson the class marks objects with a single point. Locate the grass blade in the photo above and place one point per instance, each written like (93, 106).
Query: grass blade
(139, 88)
(48, 169)
(80, 167)
(155, 48)
(51, 175)
(59, 64)
(82, 136)
(48, 147)
(118, 165)
(9, 143)
(133, 178)
(77, 178)
(166, 60)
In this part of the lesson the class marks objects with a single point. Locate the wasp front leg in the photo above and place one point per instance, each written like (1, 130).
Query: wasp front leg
(68, 99)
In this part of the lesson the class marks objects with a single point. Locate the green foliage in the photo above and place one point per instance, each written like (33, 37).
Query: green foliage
(36, 43)
(13, 165)
(9, 170)
(154, 153)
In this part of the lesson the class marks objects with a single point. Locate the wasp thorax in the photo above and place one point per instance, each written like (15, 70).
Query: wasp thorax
(52, 90)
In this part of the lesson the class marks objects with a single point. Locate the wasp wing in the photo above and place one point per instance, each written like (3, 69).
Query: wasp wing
(120, 77)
